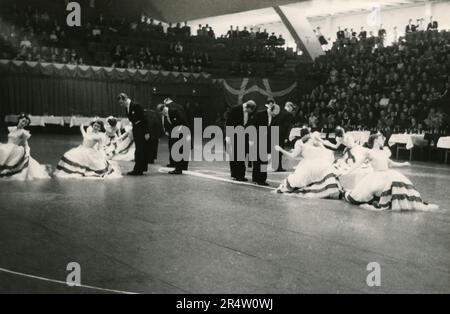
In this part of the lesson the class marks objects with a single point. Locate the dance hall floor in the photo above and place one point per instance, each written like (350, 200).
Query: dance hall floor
(200, 233)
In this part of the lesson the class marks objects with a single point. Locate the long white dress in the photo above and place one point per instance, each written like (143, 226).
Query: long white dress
(315, 176)
(87, 161)
(354, 153)
(121, 148)
(386, 189)
(16, 162)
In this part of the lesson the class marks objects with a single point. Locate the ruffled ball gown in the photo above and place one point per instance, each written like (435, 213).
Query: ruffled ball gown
(315, 176)
(16, 162)
(386, 189)
(121, 148)
(87, 161)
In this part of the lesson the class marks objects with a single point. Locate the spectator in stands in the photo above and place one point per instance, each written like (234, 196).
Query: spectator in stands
(281, 41)
(245, 33)
(432, 25)
(25, 43)
(211, 33)
(410, 28)
(362, 34)
(272, 40)
(200, 31)
(381, 35)
(186, 30)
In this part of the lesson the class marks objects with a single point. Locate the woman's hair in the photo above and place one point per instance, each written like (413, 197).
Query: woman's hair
(372, 139)
(112, 121)
(100, 123)
(339, 132)
(23, 116)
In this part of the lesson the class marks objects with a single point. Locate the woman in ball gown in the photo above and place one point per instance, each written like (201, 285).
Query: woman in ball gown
(353, 151)
(87, 161)
(315, 175)
(16, 162)
(122, 148)
(384, 188)
(112, 130)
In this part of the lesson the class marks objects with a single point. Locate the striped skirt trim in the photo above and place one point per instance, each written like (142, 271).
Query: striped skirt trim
(72, 168)
(10, 171)
(400, 197)
(329, 187)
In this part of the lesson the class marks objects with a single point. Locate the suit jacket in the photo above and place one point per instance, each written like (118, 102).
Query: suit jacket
(137, 117)
(285, 121)
(235, 117)
(154, 123)
(262, 119)
(177, 117)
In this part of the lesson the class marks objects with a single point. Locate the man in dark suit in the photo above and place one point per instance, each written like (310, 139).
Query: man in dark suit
(141, 133)
(174, 117)
(239, 116)
(156, 131)
(410, 28)
(285, 122)
(265, 118)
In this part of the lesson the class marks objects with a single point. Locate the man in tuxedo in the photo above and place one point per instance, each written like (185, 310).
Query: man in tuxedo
(141, 133)
(284, 121)
(239, 116)
(156, 131)
(173, 117)
(265, 118)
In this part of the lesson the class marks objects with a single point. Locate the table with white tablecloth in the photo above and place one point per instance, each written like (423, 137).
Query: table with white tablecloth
(408, 141)
(38, 120)
(444, 143)
(71, 121)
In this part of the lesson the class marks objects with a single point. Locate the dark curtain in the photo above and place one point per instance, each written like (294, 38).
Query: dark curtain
(50, 90)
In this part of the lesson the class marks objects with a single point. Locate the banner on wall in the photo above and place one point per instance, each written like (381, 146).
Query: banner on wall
(238, 91)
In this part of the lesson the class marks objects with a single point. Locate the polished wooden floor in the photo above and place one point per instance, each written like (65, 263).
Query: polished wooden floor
(198, 233)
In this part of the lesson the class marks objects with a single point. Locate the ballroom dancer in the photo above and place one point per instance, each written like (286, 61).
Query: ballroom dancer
(122, 148)
(16, 163)
(315, 175)
(384, 188)
(174, 118)
(266, 118)
(141, 133)
(87, 161)
(239, 116)
(353, 151)
(285, 122)
(112, 130)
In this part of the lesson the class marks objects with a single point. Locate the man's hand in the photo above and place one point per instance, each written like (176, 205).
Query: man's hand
(147, 137)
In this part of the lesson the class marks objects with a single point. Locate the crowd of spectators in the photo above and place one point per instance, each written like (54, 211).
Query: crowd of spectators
(175, 59)
(31, 35)
(362, 85)
(34, 35)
